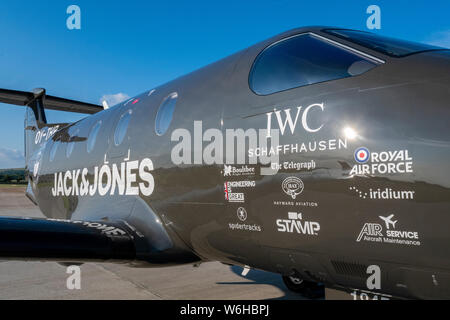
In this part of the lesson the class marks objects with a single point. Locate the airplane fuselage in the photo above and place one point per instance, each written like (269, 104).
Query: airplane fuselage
(348, 152)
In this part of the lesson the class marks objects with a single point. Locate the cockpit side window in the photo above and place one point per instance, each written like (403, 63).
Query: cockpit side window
(303, 60)
(389, 46)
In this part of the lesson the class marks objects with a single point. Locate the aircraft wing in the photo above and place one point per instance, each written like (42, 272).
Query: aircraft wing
(66, 240)
(85, 241)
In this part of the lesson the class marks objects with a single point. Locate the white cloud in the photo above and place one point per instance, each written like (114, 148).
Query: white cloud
(113, 99)
(11, 158)
(440, 39)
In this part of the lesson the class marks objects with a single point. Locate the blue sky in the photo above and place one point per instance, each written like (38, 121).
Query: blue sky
(127, 47)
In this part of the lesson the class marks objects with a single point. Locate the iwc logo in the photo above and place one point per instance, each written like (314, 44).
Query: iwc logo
(292, 186)
(242, 214)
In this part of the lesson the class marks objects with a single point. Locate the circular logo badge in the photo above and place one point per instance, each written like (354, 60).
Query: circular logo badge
(292, 186)
(362, 155)
(241, 214)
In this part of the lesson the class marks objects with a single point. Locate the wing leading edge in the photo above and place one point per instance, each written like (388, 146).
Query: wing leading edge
(83, 241)
(64, 240)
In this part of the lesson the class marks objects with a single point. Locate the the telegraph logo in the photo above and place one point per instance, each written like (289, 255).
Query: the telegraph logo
(362, 155)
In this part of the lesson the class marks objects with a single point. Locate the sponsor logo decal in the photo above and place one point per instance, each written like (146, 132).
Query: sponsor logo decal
(242, 214)
(301, 113)
(241, 184)
(256, 145)
(373, 232)
(288, 121)
(296, 224)
(229, 171)
(245, 227)
(295, 203)
(384, 194)
(292, 186)
(291, 165)
(121, 178)
(362, 155)
(233, 196)
(108, 230)
(236, 196)
(294, 148)
(385, 162)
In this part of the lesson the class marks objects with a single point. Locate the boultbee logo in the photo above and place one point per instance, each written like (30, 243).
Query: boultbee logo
(362, 155)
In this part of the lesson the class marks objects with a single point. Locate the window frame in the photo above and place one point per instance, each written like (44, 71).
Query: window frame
(129, 113)
(71, 144)
(97, 126)
(358, 52)
(53, 150)
(329, 31)
(171, 96)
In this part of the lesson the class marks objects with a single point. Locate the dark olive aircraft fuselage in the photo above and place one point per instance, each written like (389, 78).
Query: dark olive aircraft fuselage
(361, 180)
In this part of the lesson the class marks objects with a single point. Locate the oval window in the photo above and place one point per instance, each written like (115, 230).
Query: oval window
(53, 150)
(71, 144)
(122, 127)
(93, 136)
(165, 114)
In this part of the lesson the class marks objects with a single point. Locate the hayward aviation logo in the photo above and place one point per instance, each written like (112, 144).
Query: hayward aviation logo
(385, 162)
(384, 194)
(373, 232)
(296, 224)
(292, 186)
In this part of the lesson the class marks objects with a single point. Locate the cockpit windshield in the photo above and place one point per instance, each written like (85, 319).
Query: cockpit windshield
(389, 46)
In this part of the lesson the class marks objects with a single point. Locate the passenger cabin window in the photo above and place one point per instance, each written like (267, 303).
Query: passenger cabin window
(122, 127)
(93, 136)
(71, 144)
(165, 114)
(303, 60)
(53, 150)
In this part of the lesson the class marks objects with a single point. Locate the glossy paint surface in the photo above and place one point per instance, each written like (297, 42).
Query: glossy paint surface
(331, 231)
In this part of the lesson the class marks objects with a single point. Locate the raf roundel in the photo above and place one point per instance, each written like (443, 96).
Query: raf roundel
(362, 155)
